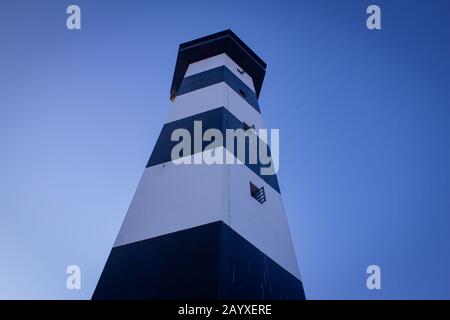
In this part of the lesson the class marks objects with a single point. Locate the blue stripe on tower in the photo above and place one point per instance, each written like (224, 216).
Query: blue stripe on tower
(214, 262)
(220, 119)
(213, 76)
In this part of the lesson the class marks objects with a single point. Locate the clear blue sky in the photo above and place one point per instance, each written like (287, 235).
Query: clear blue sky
(364, 121)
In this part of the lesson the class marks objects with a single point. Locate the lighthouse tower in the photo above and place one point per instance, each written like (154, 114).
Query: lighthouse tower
(206, 231)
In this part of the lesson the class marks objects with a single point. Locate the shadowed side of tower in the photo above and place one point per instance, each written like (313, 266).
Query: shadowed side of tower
(199, 231)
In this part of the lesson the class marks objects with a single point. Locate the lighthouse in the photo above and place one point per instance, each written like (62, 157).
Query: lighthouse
(201, 230)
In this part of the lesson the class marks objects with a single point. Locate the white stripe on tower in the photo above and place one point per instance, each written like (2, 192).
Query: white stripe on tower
(217, 61)
(172, 197)
(212, 97)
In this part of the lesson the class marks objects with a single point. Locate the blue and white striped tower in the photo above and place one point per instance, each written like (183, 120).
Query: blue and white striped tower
(206, 231)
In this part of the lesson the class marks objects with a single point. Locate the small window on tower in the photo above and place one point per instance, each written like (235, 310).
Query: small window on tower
(245, 126)
(243, 93)
(240, 70)
(257, 193)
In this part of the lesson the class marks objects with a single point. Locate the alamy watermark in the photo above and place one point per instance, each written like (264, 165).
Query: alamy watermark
(73, 281)
(374, 279)
(374, 20)
(73, 21)
(244, 147)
